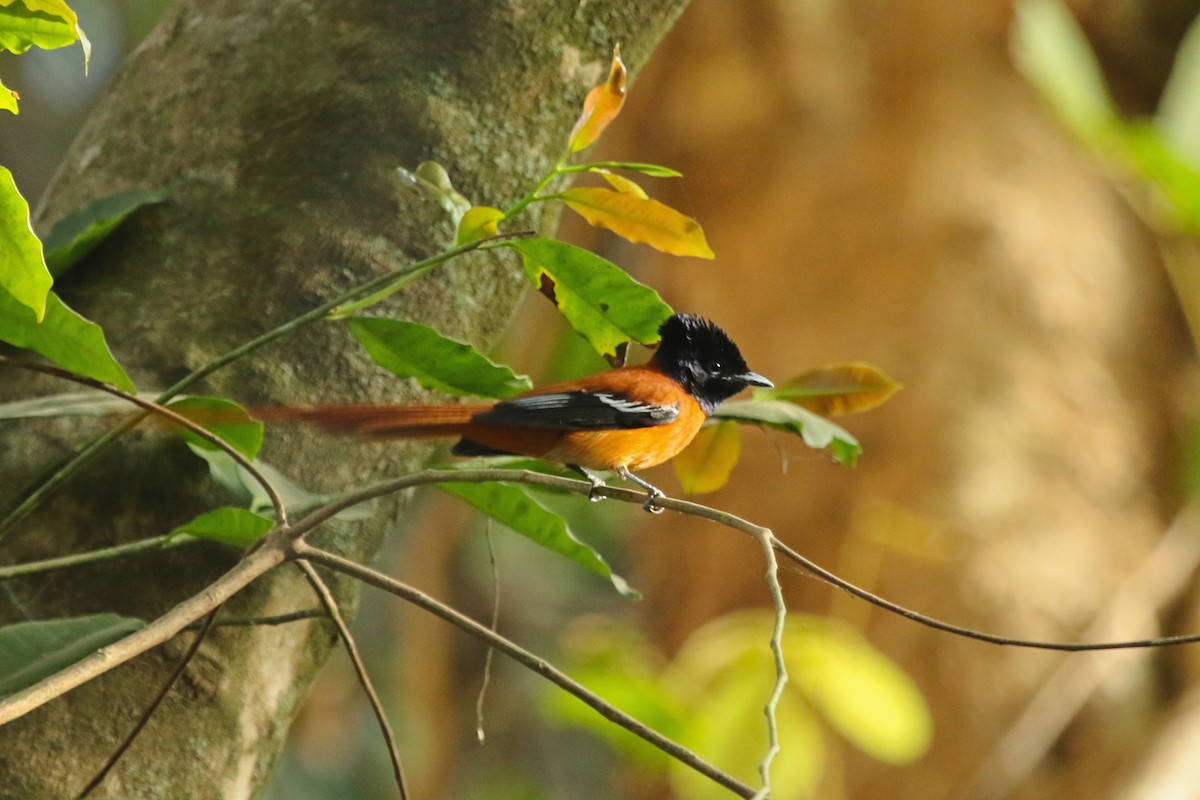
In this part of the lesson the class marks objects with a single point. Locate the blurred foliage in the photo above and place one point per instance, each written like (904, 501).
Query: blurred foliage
(1156, 160)
(710, 697)
(1161, 153)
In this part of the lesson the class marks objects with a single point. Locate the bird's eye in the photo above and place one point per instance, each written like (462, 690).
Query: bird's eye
(714, 366)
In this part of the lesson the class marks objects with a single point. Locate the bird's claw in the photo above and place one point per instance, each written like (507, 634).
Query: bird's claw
(649, 504)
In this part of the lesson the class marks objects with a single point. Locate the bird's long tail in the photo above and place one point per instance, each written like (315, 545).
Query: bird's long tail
(378, 421)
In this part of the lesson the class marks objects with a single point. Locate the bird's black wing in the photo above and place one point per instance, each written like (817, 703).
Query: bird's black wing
(577, 410)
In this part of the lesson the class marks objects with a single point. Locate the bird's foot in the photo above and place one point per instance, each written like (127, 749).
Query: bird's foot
(651, 496)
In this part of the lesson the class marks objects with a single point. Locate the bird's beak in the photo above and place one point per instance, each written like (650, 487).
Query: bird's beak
(754, 379)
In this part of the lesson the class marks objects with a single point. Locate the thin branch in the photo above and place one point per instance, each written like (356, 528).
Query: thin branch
(574, 486)
(538, 665)
(970, 633)
(88, 453)
(205, 627)
(274, 619)
(767, 540)
(491, 651)
(254, 564)
(1142, 593)
(364, 678)
(93, 556)
(175, 417)
(284, 543)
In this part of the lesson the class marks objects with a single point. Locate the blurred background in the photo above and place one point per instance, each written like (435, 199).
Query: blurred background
(991, 201)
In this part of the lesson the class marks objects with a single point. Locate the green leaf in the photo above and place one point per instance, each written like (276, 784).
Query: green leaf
(1174, 179)
(48, 24)
(431, 178)
(232, 526)
(222, 417)
(597, 297)
(1054, 54)
(616, 660)
(410, 350)
(23, 273)
(31, 651)
(230, 475)
(859, 691)
(653, 170)
(75, 235)
(723, 675)
(1178, 116)
(513, 507)
(817, 432)
(729, 729)
(64, 337)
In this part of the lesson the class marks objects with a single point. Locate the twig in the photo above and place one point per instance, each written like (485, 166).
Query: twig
(364, 678)
(89, 452)
(491, 651)
(524, 657)
(1162, 575)
(970, 633)
(205, 627)
(286, 543)
(574, 486)
(767, 540)
(274, 619)
(93, 556)
(173, 416)
(254, 564)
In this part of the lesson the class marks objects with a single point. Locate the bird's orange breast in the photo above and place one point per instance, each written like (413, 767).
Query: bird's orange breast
(633, 448)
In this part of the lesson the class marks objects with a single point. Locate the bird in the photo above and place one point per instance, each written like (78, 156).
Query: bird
(623, 420)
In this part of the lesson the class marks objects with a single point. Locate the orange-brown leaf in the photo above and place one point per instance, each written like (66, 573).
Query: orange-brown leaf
(707, 462)
(601, 106)
(639, 219)
(840, 389)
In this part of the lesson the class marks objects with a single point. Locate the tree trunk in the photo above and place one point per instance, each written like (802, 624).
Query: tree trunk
(280, 125)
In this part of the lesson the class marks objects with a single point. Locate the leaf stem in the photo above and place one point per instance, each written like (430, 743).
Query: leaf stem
(534, 195)
(93, 556)
(150, 407)
(74, 464)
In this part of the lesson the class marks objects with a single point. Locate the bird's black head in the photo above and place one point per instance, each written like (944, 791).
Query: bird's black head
(704, 359)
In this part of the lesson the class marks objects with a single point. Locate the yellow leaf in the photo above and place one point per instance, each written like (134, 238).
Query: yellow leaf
(601, 106)
(623, 184)
(639, 220)
(906, 532)
(839, 389)
(8, 99)
(478, 223)
(705, 465)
